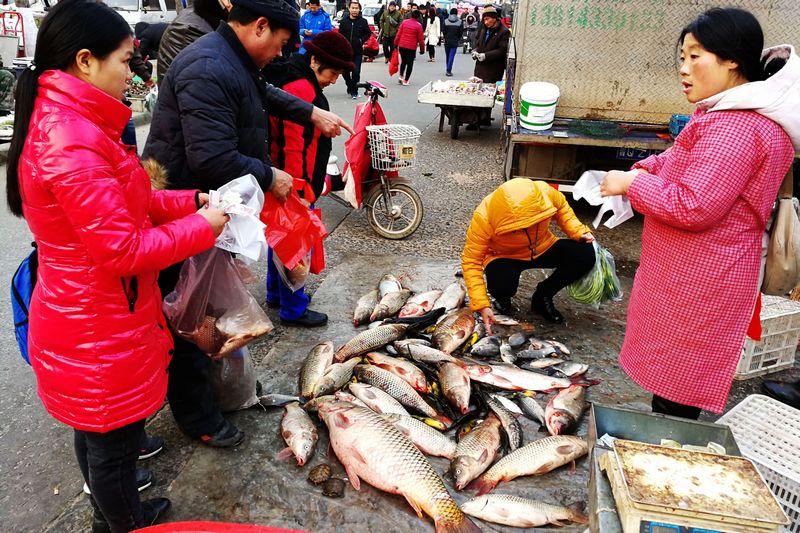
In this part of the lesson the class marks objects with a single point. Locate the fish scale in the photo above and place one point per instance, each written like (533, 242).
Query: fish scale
(482, 442)
(335, 377)
(364, 307)
(428, 440)
(455, 385)
(515, 511)
(509, 422)
(394, 387)
(389, 304)
(372, 449)
(370, 340)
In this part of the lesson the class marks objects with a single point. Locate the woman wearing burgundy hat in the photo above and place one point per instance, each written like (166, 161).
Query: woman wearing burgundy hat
(301, 150)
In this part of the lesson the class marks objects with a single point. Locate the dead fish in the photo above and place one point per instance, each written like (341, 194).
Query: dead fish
(428, 440)
(313, 405)
(538, 364)
(560, 348)
(452, 296)
(531, 408)
(454, 330)
(376, 399)
(466, 428)
(564, 409)
(390, 304)
(514, 511)
(419, 304)
(299, 432)
(455, 385)
(510, 377)
(343, 396)
(335, 377)
(277, 400)
(406, 370)
(536, 354)
(508, 404)
(427, 354)
(487, 347)
(476, 451)
(503, 320)
(364, 307)
(508, 420)
(571, 369)
(397, 389)
(370, 340)
(319, 358)
(387, 284)
(399, 345)
(507, 354)
(517, 340)
(372, 449)
(536, 344)
(534, 459)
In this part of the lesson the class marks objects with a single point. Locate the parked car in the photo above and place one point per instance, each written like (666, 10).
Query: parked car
(150, 11)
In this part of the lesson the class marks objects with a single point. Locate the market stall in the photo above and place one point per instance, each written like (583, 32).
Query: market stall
(461, 102)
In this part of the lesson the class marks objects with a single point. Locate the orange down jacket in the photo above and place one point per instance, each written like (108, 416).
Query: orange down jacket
(97, 338)
(513, 222)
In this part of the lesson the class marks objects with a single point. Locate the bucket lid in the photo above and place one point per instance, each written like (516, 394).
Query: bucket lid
(539, 91)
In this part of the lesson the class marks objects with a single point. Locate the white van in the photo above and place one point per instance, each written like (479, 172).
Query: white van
(150, 11)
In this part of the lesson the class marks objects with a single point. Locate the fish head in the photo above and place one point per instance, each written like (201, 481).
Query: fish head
(475, 505)
(558, 422)
(461, 469)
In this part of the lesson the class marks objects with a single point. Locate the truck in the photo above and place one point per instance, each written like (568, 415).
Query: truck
(616, 65)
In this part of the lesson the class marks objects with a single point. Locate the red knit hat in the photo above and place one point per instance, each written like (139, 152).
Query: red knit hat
(331, 48)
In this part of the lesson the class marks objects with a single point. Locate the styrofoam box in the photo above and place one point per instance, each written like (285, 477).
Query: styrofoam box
(780, 323)
(768, 433)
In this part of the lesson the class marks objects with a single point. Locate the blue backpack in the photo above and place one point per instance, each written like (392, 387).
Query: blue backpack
(22, 284)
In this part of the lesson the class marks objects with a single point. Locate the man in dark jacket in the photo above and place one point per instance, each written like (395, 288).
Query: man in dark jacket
(356, 30)
(210, 127)
(452, 30)
(491, 47)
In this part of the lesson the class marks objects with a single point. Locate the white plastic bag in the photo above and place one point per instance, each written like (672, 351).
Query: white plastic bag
(233, 379)
(588, 188)
(243, 200)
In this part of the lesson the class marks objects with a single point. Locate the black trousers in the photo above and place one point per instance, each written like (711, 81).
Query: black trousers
(407, 56)
(668, 407)
(108, 464)
(388, 47)
(189, 391)
(571, 260)
(351, 79)
(431, 51)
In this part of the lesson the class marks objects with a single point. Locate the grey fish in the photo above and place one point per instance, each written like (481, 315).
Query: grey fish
(507, 355)
(426, 354)
(335, 377)
(560, 348)
(419, 304)
(277, 400)
(531, 408)
(508, 404)
(370, 340)
(403, 368)
(403, 342)
(364, 307)
(517, 340)
(454, 330)
(452, 296)
(536, 354)
(428, 440)
(571, 369)
(387, 284)
(390, 304)
(508, 420)
(376, 399)
(538, 364)
(319, 358)
(487, 347)
(476, 451)
(514, 511)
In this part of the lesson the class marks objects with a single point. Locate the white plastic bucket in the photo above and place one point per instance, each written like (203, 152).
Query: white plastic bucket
(537, 108)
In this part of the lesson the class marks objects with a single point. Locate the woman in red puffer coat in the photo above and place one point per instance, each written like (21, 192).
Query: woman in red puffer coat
(97, 338)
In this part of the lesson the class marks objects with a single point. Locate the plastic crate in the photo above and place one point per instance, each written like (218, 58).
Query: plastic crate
(768, 433)
(780, 324)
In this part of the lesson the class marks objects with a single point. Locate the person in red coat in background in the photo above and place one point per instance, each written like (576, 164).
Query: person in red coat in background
(706, 202)
(410, 36)
(302, 151)
(98, 342)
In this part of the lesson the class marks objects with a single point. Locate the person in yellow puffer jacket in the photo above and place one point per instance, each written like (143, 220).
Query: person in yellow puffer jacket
(509, 233)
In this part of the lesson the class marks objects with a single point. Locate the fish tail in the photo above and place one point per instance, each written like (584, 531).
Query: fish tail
(461, 525)
(576, 510)
(583, 382)
(482, 485)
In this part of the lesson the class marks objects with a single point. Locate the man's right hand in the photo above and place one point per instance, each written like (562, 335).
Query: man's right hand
(488, 318)
(281, 184)
(215, 217)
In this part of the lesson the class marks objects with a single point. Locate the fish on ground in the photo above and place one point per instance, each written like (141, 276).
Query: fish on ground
(397, 389)
(530, 353)
(455, 385)
(319, 358)
(419, 304)
(406, 370)
(277, 400)
(487, 347)
(376, 399)
(571, 369)
(299, 433)
(510, 377)
(387, 284)
(335, 377)
(509, 422)
(564, 409)
(370, 339)
(372, 449)
(390, 304)
(547, 362)
(515, 511)
(452, 296)
(476, 451)
(427, 439)
(454, 330)
(364, 307)
(531, 408)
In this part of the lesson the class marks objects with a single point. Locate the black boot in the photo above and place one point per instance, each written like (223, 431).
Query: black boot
(543, 305)
(502, 305)
(788, 393)
(152, 510)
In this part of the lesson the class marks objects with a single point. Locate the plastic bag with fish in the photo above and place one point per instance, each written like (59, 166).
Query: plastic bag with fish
(294, 278)
(211, 306)
(233, 380)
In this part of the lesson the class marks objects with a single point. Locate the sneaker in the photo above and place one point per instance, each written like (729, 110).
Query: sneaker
(144, 480)
(400, 80)
(309, 319)
(448, 74)
(152, 510)
(502, 305)
(406, 82)
(150, 447)
(227, 436)
(354, 96)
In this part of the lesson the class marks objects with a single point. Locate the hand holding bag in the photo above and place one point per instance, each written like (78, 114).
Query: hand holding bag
(783, 252)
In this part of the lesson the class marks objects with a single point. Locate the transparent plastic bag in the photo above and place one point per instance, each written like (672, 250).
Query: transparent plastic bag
(211, 306)
(294, 278)
(243, 200)
(600, 284)
(233, 379)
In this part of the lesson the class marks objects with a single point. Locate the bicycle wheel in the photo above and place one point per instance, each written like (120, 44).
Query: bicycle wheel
(401, 217)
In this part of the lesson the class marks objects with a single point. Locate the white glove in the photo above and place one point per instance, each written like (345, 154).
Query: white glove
(474, 54)
(480, 57)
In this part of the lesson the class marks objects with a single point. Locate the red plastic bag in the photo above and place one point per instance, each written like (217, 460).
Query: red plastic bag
(394, 63)
(371, 44)
(292, 230)
(318, 252)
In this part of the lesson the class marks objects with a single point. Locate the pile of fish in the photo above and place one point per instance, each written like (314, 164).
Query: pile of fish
(424, 379)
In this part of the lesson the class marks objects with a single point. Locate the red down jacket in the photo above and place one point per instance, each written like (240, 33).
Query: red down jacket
(97, 340)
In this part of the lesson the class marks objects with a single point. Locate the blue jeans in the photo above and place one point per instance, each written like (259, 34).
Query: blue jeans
(292, 303)
(451, 56)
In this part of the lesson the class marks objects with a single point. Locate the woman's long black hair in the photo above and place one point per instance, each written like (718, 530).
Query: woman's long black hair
(69, 27)
(732, 34)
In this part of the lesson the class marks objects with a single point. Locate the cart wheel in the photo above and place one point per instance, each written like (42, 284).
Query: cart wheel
(454, 124)
(399, 220)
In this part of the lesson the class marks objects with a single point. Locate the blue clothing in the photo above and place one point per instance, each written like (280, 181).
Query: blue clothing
(292, 303)
(451, 57)
(316, 22)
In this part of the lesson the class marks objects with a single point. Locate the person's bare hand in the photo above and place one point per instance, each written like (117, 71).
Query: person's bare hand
(587, 237)
(488, 318)
(616, 182)
(202, 199)
(330, 124)
(215, 217)
(281, 184)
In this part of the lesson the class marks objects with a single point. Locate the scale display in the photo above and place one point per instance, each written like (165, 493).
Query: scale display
(647, 526)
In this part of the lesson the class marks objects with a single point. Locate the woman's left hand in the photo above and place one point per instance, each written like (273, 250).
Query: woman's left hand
(587, 237)
(202, 199)
(617, 182)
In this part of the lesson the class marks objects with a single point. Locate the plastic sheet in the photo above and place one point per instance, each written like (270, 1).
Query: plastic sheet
(588, 188)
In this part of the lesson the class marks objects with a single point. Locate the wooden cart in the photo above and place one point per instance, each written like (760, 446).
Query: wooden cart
(460, 109)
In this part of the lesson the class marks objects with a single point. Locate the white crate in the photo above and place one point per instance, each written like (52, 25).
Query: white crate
(768, 433)
(780, 323)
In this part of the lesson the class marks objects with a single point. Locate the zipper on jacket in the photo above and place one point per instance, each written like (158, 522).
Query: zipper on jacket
(532, 244)
(131, 292)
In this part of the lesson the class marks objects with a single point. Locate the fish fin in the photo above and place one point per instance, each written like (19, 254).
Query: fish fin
(577, 516)
(444, 420)
(564, 449)
(353, 477)
(482, 485)
(557, 523)
(401, 371)
(284, 454)
(413, 504)
(463, 525)
(572, 468)
(341, 421)
(404, 430)
(545, 468)
(484, 455)
(370, 394)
